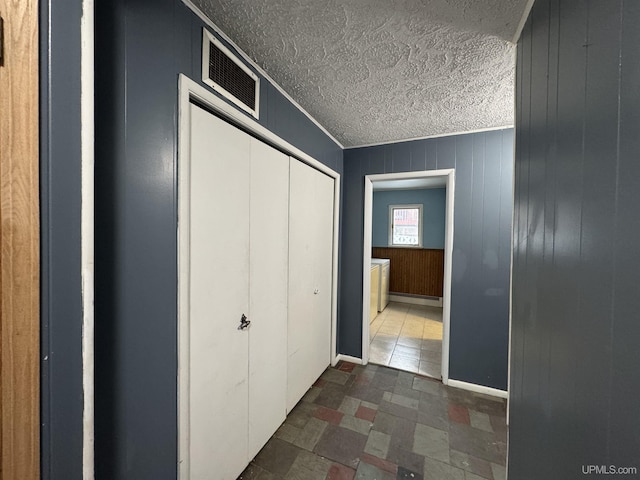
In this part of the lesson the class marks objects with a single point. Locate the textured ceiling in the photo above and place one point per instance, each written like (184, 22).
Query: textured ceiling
(374, 71)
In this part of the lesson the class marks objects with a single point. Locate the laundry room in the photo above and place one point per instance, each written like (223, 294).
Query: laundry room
(407, 267)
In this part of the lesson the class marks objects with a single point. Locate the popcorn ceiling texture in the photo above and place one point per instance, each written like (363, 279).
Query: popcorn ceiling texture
(373, 71)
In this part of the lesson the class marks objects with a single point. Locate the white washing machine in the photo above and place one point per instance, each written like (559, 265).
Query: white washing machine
(383, 282)
(375, 290)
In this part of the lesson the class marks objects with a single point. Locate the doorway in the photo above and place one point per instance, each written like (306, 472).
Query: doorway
(414, 316)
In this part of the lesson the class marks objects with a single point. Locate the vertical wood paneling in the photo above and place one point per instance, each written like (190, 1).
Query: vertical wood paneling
(349, 328)
(624, 425)
(136, 218)
(464, 284)
(60, 240)
(475, 219)
(493, 260)
(19, 244)
(517, 337)
(480, 292)
(376, 162)
(535, 213)
(597, 223)
(574, 365)
(414, 271)
(529, 208)
(431, 152)
(550, 17)
(418, 156)
(401, 157)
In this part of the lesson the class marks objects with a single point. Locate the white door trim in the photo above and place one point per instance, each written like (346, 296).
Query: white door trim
(188, 90)
(369, 180)
(87, 254)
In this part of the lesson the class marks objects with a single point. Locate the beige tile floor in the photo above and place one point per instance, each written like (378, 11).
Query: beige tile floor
(408, 337)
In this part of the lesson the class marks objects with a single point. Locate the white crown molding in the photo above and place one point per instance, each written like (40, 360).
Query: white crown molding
(523, 20)
(452, 134)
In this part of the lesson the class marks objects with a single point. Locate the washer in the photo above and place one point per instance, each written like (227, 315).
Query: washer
(383, 282)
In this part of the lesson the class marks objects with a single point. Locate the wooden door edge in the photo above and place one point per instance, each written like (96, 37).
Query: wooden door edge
(19, 244)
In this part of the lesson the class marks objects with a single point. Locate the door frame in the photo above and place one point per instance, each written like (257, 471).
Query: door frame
(369, 180)
(189, 90)
(20, 242)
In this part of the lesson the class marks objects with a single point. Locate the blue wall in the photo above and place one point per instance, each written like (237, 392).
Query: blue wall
(141, 47)
(60, 244)
(482, 244)
(433, 202)
(575, 380)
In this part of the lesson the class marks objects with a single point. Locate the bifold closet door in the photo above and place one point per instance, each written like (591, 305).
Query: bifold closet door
(269, 246)
(218, 296)
(239, 221)
(311, 213)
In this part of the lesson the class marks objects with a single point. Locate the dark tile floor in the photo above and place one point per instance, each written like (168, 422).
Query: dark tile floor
(376, 423)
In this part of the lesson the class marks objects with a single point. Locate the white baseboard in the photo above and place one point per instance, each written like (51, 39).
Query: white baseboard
(472, 387)
(430, 302)
(347, 358)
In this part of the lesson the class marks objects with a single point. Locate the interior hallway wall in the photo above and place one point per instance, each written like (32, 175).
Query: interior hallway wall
(575, 380)
(141, 47)
(61, 389)
(433, 201)
(482, 244)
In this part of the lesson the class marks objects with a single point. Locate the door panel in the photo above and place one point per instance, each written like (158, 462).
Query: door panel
(219, 295)
(261, 243)
(268, 286)
(324, 198)
(310, 268)
(20, 245)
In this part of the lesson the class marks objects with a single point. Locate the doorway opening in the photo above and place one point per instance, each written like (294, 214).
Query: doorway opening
(412, 331)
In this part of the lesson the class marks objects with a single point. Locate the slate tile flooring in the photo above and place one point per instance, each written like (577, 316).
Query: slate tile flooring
(377, 423)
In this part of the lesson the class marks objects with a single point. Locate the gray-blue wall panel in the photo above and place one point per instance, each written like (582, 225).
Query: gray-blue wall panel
(482, 247)
(433, 201)
(141, 47)
(625, 329)
(574, 375)
(60, 216)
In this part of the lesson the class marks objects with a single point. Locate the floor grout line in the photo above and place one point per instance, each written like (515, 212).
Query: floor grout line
(368, 422)
(388, 349)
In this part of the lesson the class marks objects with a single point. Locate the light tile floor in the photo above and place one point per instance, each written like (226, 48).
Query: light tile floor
(408, 337)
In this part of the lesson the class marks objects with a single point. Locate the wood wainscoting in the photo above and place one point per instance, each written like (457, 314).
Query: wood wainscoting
(414, 271)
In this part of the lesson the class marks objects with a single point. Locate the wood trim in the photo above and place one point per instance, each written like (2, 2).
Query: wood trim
(414, 271)
(19, 244)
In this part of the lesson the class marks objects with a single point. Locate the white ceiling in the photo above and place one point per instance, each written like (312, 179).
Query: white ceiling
(377, 71)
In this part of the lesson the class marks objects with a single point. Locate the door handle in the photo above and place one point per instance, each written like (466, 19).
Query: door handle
(244, 323)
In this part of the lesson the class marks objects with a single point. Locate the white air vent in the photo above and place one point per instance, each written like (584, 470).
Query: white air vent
(228, 75)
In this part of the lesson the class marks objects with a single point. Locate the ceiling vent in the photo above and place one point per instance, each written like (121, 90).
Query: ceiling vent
(228, 75)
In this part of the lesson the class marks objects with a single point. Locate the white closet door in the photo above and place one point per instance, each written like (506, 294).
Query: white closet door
(268, 286)
(323, 269)
(310, 277)
(219, 289)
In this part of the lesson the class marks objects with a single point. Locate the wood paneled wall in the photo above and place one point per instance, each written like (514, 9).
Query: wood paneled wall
(416, 271)
(575, 380)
